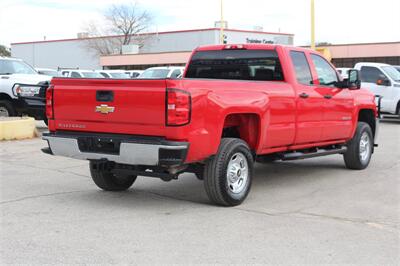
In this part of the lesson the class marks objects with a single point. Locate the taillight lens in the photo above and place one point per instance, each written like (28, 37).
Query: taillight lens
(49, 103)
(178, 107)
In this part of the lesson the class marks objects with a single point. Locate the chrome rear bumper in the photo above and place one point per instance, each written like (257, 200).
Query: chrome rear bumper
(130, 150)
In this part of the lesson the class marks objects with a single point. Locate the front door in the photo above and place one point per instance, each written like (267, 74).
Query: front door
(338, 103)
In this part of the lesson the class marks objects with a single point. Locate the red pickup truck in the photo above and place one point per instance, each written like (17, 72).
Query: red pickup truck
(235, 105)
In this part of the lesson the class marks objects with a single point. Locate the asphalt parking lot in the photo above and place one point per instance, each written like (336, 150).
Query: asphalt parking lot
(302, 212)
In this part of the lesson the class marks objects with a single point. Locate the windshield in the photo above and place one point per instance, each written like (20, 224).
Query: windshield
(92, 75)
(155, 74)
(119, 75)
(8, 67)
(392, 72)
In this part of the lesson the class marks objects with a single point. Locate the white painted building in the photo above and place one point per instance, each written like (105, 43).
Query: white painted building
(160, 48)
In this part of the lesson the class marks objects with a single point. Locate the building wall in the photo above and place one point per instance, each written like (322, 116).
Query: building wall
(73, 53)
(349, 54)
(240, 37)
(65, 54)
(177, 41)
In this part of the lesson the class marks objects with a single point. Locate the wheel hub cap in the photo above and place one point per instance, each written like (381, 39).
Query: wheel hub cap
(3, 112)
(365, 147)
(237, 173)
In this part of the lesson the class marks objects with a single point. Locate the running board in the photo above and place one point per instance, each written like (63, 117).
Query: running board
(319, 152)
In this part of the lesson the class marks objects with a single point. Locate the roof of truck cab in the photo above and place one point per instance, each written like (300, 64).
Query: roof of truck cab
(246, 46)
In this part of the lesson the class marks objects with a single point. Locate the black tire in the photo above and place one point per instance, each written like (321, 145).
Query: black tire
(352, 157)
(216, 182)
(108, 181)
(7, 105)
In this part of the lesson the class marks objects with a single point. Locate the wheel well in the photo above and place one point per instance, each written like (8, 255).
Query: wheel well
(367, 116)
(4, 96)
(398, 108)
(243, 126)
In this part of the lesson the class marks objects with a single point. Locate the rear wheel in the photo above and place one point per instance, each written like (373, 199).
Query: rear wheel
(6, 109)
(108, 181)
(359, 149)
(228, 175)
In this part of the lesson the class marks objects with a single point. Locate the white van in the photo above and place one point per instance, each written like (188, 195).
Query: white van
(382, 80)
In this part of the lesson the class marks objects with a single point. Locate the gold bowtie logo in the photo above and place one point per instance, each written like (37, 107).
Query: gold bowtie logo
(104, 109)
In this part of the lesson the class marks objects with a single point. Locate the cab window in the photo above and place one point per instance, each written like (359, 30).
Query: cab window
(175, 73)
(371, 74)
(326, 73)
(260, 65)
(75, 75)
(301, 67)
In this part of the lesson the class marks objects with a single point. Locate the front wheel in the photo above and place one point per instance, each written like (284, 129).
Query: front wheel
(228, 175)
(108, 181)
(359, 149)
(6, 109)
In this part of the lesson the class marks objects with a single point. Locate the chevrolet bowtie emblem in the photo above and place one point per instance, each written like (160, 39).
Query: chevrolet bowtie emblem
(104, 109)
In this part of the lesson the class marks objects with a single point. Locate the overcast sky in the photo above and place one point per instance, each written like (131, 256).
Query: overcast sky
(337, 21)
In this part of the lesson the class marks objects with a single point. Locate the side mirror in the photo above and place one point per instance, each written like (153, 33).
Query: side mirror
(383, 81)
(353, 81)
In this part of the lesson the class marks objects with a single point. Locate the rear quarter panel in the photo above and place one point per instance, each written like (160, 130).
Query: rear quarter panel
(214, 100)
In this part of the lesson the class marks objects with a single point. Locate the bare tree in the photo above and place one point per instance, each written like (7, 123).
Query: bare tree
(122, 25)
(4, 51)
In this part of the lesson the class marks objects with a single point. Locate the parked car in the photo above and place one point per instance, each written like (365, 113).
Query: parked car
(161, 72)
(22, 89)
(134, 73)
(382, 80)
(48, 71)
(235, 105)
(80, 73)
(113, 74)
(343, 71)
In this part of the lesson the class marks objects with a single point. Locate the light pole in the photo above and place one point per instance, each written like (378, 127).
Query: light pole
(221, 25)
(312, 25)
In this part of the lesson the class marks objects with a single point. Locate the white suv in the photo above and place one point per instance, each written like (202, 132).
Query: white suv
(22, 89)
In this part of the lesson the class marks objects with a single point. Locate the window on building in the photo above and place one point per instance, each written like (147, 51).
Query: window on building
(301, 67)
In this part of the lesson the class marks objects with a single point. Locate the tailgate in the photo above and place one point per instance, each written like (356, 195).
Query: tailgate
(114, 106)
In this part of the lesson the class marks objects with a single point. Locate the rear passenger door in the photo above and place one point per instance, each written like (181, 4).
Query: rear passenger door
(309, 103)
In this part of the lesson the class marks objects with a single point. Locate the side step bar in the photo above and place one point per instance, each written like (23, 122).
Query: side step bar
(319, 152)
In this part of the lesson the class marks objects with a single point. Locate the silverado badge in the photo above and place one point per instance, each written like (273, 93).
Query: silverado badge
(104, 109)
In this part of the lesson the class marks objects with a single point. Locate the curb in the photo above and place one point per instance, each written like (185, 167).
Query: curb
(16, 128)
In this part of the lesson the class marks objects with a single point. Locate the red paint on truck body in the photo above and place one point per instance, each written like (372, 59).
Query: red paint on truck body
(270, 115)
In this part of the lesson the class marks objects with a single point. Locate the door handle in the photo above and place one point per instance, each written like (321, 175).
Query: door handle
(328, 96)
(303, 95)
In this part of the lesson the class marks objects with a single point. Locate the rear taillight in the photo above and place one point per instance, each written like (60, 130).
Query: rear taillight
(178, 107)
(49, 103)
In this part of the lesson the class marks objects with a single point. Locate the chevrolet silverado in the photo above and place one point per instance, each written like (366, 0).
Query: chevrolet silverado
(235, 105)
